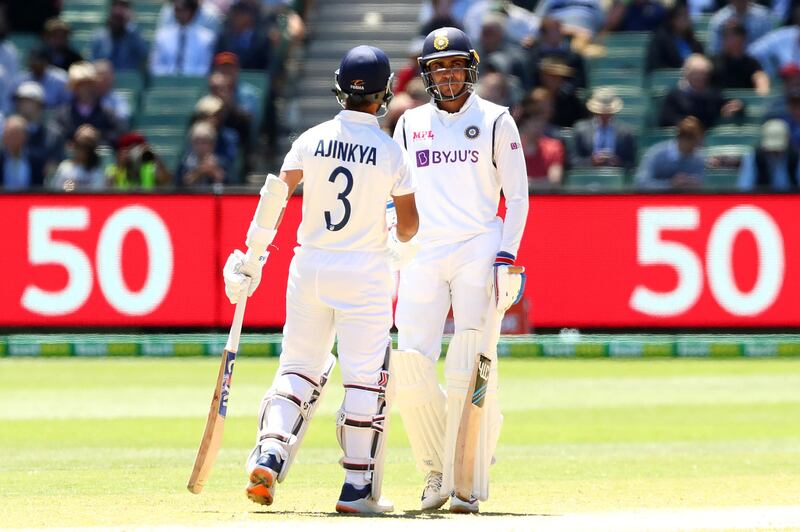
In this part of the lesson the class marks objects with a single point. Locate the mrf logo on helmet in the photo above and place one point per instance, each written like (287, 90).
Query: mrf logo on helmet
(445, 43)
(364, 76)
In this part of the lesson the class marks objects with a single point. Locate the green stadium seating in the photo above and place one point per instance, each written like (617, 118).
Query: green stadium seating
(24, 42)
(129, 80)
(615, 76)
(595, 179)
(623, 59)
(755, 106)
(663, 79)
(627, 40)
(198, 83)
(721, 179)
(725, 156)
(732, 134)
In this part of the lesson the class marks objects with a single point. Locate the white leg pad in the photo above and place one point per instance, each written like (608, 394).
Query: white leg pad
(422, 404)
(458, 369)
(286, 410)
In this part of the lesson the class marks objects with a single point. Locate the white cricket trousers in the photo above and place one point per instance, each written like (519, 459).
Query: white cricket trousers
(438, 277)
(347, 295)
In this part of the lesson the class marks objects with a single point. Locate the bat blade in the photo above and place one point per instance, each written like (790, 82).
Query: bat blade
(470, 426)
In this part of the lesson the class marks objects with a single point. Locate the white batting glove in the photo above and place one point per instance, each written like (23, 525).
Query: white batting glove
(506, 287)
(238, 268)
(400, 253)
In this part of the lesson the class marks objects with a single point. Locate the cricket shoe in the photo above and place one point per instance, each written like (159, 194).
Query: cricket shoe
(355, 500)
(263, 477)
(432, 497)
(460, 506)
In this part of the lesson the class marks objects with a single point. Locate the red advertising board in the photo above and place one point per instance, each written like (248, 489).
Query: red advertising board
(592, 261)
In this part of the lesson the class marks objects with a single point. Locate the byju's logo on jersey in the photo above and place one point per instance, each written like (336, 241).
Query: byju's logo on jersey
(429, 157)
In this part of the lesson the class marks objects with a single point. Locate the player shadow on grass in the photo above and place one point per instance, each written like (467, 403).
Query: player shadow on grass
(409, 514)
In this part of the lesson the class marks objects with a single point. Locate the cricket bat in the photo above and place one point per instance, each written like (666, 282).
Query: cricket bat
(470, 426)
(215, 424)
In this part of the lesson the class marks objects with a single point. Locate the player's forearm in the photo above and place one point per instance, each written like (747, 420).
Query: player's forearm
(514, 224)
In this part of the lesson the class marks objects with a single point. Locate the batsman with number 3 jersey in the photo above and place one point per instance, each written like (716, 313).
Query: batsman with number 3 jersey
(462, 151)
(339, 284)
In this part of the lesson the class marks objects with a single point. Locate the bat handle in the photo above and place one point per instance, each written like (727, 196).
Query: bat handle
(238, 317)
(516, 269)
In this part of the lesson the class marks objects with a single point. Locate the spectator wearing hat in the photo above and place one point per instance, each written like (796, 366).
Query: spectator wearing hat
(694, 96)
(136, 164)
(19, 168)
(773, 165)
(120, 40)
(200, 165)
(790, 113)
(110, 99)
(41, 142)
(790, 76)
(553, 43)
(732, 67)
(83, 169)
(756, 19)
(85, 107)
(544, 156)
(53, 80)
(211, 109)
(602, 140)
(674, 163)
(184, 48)
(56, 42)
(247, 95)
(674, 41)
(778, 47)
(243, 37)
(555, 76)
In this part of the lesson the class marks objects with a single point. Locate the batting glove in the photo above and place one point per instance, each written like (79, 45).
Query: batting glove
(506, 287)
(238, 268)
(400, 253)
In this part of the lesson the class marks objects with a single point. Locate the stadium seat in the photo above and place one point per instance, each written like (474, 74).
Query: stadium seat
(755, 106)
(198, 83)
(615, 76)
(663, 79)
(595, 179)
(732, 134)
(721, 179)
(621, 59)
(129, 79)
(627, 40)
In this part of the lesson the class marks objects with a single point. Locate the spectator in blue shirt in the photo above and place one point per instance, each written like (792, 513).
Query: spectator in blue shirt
(243, 37)
(674, 163)
(774, 164)
(674, 41)
(120, 41)
(19, 170)
(779, 47)
(52, 79)
(9, 55)
(635, 15)
(756, 19)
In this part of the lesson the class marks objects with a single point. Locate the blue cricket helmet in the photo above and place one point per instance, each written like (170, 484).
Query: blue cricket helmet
(448, 42)
(364, 75)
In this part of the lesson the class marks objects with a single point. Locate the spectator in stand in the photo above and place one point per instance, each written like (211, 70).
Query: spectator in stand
(243, 37)
(493, 47)
(247, 95)
(399, 104)
(494, 87)
(521, 26)
(580, 18)
(85, 107)
(674, 41)
(773, 165)
(544, 156)
(136, 164)
(694, 96)
(555, 76)
(602, 140)
(120, 41)
(52, 79)
(733, 68)
(756, 19)
(540, 102)
(553, 43)
(9, 55)
(19, 168)
(207, 16)
(29, 104)
(411, 69)
(778, 108)
(295, 27)
(83, 170)
(234, 116)
(110, 99)
(791, 115)
(210, 109)
(56, 43)
(201, 166)
(635, 15)
(779, 47)
(674, 163)
(29, 15)
(450, 12)
(184, 48)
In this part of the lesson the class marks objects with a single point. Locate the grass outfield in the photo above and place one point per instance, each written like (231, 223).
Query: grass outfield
(112, 441)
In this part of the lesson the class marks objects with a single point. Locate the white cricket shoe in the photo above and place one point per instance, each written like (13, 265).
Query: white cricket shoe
(263, 477)
(432, 497)
(355, 500)
(460, 506)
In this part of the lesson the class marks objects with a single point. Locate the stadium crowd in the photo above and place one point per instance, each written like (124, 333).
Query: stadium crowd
(606, 93)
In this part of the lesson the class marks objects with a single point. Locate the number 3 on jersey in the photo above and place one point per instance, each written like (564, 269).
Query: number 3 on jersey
(340, 170)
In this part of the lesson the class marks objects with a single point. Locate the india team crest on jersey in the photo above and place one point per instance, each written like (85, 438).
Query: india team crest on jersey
(472, 132)
(440, 41)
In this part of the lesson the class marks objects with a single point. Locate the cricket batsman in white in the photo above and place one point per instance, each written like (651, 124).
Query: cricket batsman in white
(462, 151)
(340, 284)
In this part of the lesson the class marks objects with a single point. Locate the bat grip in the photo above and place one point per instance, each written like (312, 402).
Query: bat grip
(238, 317)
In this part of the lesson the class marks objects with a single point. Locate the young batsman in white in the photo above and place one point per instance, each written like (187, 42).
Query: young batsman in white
(463, 151)
(339, 284)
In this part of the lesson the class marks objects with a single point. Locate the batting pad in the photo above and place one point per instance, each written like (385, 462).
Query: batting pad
(458, 367)
(421, 403)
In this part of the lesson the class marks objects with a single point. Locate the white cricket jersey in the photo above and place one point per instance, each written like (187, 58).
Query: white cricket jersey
(349, 169)
(460, 162)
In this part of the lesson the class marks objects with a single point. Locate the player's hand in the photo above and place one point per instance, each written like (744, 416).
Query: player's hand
(238, 268)
(506, 286)
(400, 253)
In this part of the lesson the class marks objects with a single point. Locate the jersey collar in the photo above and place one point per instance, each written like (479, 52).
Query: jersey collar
(448, 118)
(357, 116)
